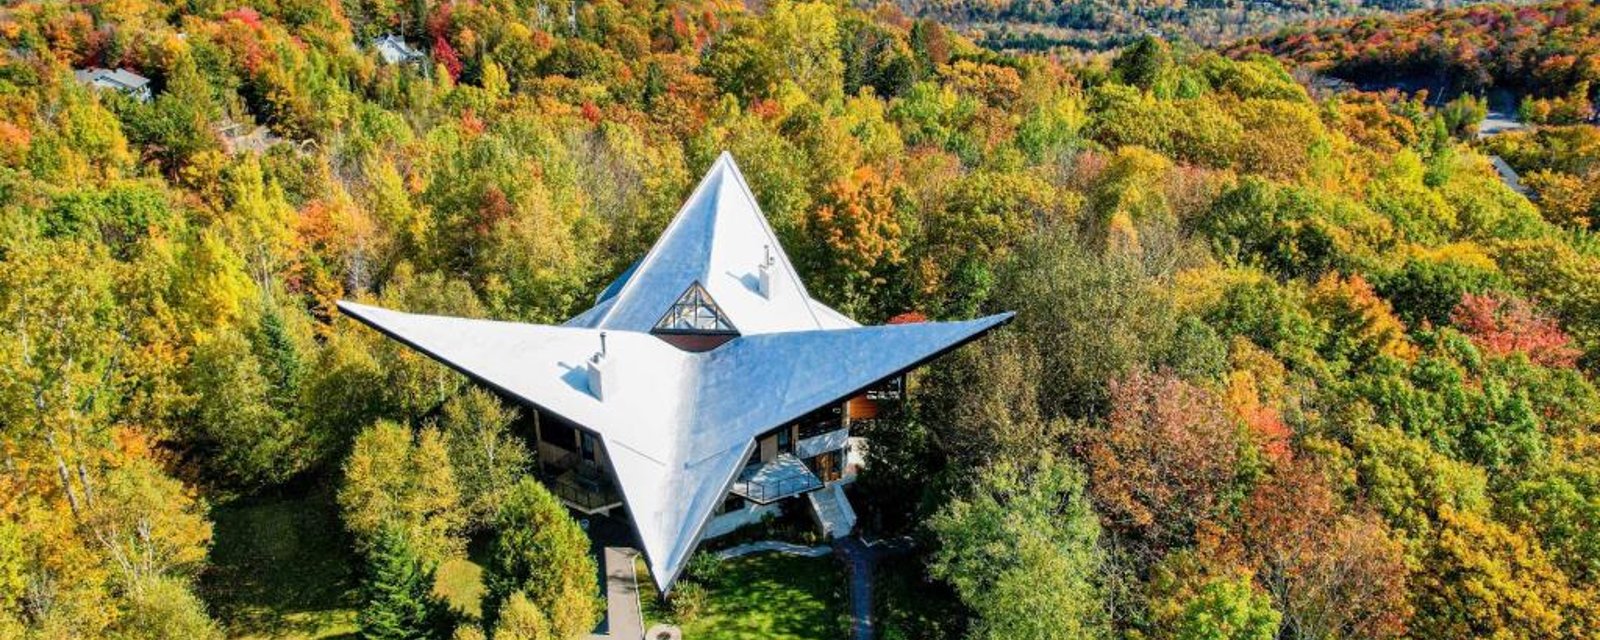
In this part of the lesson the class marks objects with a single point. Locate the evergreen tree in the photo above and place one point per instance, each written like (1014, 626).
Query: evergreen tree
(398, 602)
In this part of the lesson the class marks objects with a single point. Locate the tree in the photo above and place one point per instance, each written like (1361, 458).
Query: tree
(859, 229)
(488, 458)
(982, 405)
(162, 608)
(1093, 318)
(398, 602)
(249, 443)
(1226, 606)
(1480, 579)
(394, 480)
(805, 36)
(1021, 549)
(1502, 325)
(1331, 574)
(520, 620)
(538, 550)
(1165, 463)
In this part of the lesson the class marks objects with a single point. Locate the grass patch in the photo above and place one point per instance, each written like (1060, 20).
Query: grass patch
(460, 582)
(281, 568)
(767, 595)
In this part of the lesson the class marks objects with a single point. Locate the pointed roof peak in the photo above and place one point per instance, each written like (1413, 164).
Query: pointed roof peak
(720, 239)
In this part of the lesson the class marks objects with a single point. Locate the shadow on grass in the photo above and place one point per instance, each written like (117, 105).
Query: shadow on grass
(281, 567)
(766, 595)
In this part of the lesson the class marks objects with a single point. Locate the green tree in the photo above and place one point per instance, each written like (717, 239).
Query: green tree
(539, 550)
(397, 598)
(163, 608)
(1144, 63)
(1022, 550)
(488, 458)
(1227, 609)
(250, 443)
(394, 480)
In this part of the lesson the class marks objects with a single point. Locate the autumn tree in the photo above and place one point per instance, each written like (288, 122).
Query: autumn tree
(396, 479)
(1164, 464)
(1332, 574)
(1502, 325)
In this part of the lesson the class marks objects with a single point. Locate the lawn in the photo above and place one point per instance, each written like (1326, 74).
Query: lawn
(768, 595)
(460, 582)
(280, 568)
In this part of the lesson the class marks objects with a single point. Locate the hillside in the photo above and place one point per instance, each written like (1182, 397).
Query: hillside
(1546, 50)
(1281, 367)
(1105, 24)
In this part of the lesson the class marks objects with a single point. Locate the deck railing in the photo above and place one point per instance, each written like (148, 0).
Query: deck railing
(580, 483)
(768, 491)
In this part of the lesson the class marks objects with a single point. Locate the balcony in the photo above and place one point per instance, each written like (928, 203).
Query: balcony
(581, 484)
(776, 479)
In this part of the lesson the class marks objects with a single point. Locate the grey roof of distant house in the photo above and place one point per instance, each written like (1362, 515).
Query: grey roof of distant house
(115, 78)
(678, 426)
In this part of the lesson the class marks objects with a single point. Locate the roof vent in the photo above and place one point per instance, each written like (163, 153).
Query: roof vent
(765, 272)
(601, 372)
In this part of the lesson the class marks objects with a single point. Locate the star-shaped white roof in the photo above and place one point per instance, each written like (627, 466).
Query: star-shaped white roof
(677, 425)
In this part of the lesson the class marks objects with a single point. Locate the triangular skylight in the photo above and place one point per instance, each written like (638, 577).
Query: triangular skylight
(694, 312)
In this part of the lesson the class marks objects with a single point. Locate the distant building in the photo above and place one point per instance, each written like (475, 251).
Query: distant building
(394, 50)
(704, 390)
(122, 80)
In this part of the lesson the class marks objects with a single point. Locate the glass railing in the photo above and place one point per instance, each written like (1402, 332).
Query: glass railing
(769, 490)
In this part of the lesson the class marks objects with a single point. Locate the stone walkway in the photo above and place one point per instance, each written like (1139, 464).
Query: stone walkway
(788, 548)
(624, 619)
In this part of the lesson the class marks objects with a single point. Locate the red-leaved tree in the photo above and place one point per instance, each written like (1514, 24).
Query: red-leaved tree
(1164, 462)
(1501, 325)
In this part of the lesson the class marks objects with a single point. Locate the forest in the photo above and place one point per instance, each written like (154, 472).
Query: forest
(1282, 367)
(1075, 25)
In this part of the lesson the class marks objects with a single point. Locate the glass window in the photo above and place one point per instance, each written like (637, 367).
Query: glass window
(695, 312)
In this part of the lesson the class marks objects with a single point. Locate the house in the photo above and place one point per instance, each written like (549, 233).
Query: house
(122, 80)
(703, 389)
(394, 50)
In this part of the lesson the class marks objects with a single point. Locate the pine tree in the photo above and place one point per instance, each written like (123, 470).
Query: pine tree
(397, 600)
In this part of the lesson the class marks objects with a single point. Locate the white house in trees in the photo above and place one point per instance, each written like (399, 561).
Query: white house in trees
(704, 386)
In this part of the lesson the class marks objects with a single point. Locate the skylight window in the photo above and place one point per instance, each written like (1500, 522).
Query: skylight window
(695, 312)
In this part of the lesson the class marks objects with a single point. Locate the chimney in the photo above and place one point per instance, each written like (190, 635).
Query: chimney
(765, 272)
(601, 372)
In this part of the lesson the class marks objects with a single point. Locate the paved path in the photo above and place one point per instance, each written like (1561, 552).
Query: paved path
(789, 548)
(861, 560)
(624, 620)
